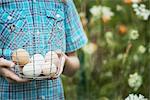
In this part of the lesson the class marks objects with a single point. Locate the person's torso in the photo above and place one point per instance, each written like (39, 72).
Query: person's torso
(35, 25)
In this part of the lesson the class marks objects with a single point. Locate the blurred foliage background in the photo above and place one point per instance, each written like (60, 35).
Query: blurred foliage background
(116, 60)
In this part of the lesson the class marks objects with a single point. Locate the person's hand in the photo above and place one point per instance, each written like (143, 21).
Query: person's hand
(62, 58)
(9, 75)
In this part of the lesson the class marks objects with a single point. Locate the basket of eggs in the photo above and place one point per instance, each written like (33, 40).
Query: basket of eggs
(37, 66)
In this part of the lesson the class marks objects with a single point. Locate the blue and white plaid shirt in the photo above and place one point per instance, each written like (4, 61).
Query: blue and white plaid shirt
(38, 26)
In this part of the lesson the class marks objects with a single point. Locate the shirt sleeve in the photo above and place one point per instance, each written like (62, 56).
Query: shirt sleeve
(75, 35)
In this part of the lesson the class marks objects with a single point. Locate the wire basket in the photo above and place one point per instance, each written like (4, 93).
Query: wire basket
(36, 55)
(40, 67)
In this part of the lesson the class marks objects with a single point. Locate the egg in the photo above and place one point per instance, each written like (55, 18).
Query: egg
(49, 69)
(52, 56)
(32, 70)
(38, 59)
(21, 57)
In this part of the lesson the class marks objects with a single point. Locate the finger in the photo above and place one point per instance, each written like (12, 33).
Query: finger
(17, 79)
(6, 63)
(59, 53)
(14, 81)
(10, 80)
(60, 69)
(53, 78)
(5, 72)
(12, 76)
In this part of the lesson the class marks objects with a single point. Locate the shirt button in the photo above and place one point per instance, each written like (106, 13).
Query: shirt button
(57, 15)
(12, 27)
(9, 17)
(59, 27)
(38, 32)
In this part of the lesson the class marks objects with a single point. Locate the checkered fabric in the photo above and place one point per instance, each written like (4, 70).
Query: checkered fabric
(38, 26)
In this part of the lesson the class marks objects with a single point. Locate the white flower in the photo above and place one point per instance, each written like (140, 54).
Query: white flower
(137, 12)
(119, 8)
(146, 14)
(101, 11)
(90, 48)
(143, 6)
(141, 49)
(133, 34)
(109, 39)
(135, 5)
(106, 12)
(135, 57)
(135, 1)
(141, 11)
(108, 35)
(135, 97)
(120, 56)
(96, 11)
(135, 81)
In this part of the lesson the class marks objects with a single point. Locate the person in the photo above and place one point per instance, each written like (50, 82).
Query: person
(38, 26)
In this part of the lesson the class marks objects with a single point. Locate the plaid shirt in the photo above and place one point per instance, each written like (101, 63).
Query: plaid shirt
(37, 26)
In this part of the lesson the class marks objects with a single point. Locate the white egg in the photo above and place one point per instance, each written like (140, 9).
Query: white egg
(52, 56)
(37, 59)
(32, 70)
(49, 69)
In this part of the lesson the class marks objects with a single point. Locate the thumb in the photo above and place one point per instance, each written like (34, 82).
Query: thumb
(6, 63)
(60, 69)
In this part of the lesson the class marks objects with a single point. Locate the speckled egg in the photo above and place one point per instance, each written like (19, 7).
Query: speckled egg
(21, 57)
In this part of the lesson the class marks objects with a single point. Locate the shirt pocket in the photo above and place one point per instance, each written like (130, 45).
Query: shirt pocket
(12, 29)
(55, 26)
(55, 19)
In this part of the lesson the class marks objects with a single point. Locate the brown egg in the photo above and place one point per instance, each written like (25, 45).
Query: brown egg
(52, 56)
(21, 57)
(49, 69)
